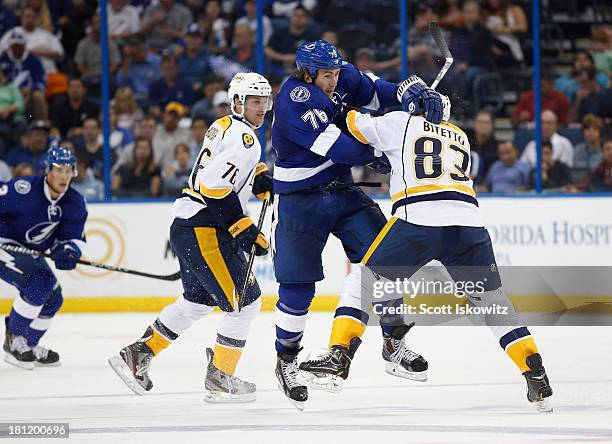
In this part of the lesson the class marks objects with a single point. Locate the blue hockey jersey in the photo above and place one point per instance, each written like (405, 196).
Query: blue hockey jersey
(310, 148)
(30, 217)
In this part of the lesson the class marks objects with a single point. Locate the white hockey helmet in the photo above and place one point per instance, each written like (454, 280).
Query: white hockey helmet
(248, 84)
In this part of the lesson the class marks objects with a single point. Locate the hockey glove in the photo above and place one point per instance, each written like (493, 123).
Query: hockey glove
(65, 255)
(416, 98)
(262, 184)
(381, 165)
(247, 234)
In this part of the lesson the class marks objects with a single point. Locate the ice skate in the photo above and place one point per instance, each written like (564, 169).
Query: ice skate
(328, 371)
(46, 357)
(287, 375)
(224, 388)
(17, 351)
(538, 386)
(401, 361)
(132, 365)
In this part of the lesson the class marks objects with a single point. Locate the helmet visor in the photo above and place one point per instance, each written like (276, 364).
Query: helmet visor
(258, 103)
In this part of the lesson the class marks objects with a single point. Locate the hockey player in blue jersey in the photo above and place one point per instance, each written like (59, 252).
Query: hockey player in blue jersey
(39, 213)
(316, 196)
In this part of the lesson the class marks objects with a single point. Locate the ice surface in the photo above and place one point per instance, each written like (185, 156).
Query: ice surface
(474, 393)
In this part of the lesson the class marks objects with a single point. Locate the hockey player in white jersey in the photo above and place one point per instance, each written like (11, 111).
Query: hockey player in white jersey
(210, 234)
(435, 216)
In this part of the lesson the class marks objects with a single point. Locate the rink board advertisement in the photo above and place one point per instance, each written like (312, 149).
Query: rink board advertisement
(525, 231)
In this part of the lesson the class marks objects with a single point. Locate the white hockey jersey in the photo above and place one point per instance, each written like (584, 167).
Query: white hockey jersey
(227, 162)
(430, 183)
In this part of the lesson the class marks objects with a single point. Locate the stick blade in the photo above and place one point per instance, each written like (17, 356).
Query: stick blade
(438, 36)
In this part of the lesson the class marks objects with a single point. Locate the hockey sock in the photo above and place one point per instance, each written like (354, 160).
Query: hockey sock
(227, 353)
(350, 320)
(159, 337)
(37, 328)
(290, 315)
(519, 344)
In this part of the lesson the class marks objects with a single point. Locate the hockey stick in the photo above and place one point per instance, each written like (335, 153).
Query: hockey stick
(262, 216)
(437, 35)
(16, 249)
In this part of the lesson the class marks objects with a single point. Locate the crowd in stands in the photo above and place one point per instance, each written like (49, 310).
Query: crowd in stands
(170, 62)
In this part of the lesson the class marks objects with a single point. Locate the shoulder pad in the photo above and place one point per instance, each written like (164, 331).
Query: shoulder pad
(219, 125)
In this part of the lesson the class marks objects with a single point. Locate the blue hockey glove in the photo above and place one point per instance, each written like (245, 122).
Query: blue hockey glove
(65, 255)
(416, 97)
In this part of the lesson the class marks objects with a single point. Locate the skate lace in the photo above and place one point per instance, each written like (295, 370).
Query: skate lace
(40, 352)
(20, 344)
(144, 365)
(290, 373)
(402, 352)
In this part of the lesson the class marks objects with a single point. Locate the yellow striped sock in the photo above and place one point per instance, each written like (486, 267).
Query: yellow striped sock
(519, 350)
(157, 342)
(344, 329)
(226, 358)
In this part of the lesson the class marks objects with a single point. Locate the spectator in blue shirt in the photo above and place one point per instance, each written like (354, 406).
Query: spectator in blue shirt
(7, 19)
(508, 174)
(169, 88)
(193, 62)
(139, 68)
(25, 71)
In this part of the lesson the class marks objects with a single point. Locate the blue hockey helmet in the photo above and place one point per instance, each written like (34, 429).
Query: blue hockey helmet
(59, 155)
(317, 55)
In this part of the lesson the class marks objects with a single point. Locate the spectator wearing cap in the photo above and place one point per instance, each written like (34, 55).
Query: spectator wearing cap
(193, 62)
(34, 151)
(562, 148)
(123, 19)
(221, 105)
(555, 174)
(168, 134)
(508, 174)
(284, 42)
(568, 83)
(164, 23)
(591, 98)
(552, 100)
(139, 68)
(70, 111)
(11, 112)
(250, 18)
(85, 182)
(39, 41)
(25, 71)
(169, 88)
(587, 154)
(203, 107)
(88, 56)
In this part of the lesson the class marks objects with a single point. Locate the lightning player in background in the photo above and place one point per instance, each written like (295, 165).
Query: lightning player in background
(316, 197)
(435, 216)
(210, 234)
(39, 213)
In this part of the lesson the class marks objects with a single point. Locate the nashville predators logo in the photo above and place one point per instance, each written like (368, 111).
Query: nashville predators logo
(248, 140)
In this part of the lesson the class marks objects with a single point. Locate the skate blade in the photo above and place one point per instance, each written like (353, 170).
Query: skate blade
(399, 371)
(123, 371)
(226, 398)
(297, 404)
(43, 365)
(544, 406)
(10, 359)
(327, 383)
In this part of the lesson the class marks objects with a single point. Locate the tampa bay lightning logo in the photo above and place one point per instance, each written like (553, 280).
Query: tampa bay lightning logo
(39, 233)
(299, 94)
(22, 186)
